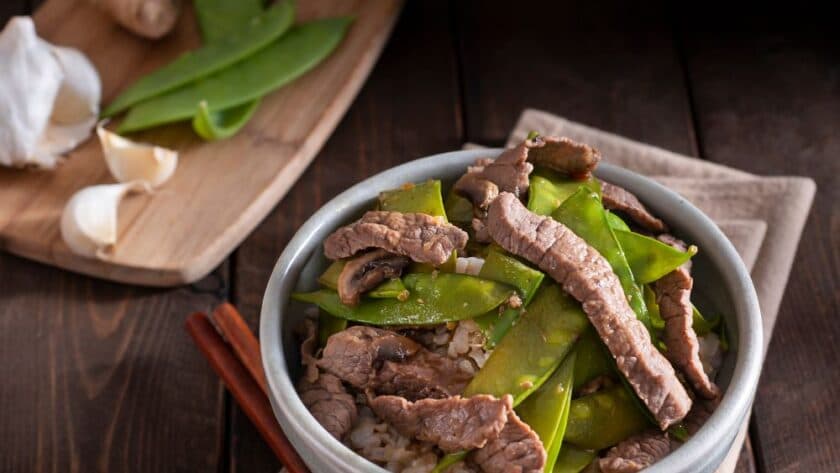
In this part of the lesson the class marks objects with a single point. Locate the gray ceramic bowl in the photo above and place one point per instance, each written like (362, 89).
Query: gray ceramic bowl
(722, 284)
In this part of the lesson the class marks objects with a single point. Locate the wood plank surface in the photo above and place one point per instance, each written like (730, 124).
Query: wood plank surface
(768, 101)
(407, 109)
(221, 190)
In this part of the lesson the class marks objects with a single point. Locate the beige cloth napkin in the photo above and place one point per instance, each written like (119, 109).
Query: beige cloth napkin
(762, 216)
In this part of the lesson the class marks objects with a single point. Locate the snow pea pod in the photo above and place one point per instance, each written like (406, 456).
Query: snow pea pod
(603, 419)
(533, 348)
(592, 359)
(616, 222)
(328, 325)
(506, 269)
(548, 190)
(390, 289)
(649, 258)
(584, 214)
(223, 123)
(273, 66)
(458, 209)
(424, 198)
(219, 19)
(547, 410)
(572, 460)
(208, 60)
(434, 298)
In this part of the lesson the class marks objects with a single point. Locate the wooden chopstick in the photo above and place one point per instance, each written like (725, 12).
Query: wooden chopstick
(244, 388)
(236, 332)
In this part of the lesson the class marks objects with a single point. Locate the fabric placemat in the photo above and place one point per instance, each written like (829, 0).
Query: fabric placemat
(762, 216)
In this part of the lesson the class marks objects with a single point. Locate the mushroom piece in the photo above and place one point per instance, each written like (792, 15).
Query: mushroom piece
(366, 271)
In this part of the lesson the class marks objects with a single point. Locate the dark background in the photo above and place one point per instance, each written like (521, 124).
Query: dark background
(99, 376)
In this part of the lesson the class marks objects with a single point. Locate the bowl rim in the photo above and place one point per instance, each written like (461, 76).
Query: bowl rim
(306, 434)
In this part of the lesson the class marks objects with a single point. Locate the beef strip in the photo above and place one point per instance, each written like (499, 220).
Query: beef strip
(507, 173)
(673, 294)
(421, 237)
(330, 403)
(619, 199)
(588, 277)
(636, 452)
(453, 424)
(563, 155)
(366, 271)
(517, 449)
(307, 351)
(384, 362)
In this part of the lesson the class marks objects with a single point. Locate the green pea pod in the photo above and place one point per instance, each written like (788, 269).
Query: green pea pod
(584, 215)
(649, 258)
(572, 459)
(506, 269)
(458, 209)
(603, 419)
(328, 325)
(616, 222)
(533, 348)
(547, 409)
(592, 359)
(209, 60)
(423, 198)
(656, 319)
(390, 289)
(223, 123)
(448, 460)
(548, 190)
(221, 19)
(273, 66)
(702, 325)
(434, 298)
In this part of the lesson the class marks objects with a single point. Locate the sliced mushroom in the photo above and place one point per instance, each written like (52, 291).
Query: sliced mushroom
(366, 271)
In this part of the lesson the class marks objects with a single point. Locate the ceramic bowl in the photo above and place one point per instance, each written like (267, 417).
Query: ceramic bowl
(722, 284)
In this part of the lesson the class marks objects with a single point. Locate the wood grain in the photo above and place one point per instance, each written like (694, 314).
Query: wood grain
(221, 190)
(406, 110)
(769, 102)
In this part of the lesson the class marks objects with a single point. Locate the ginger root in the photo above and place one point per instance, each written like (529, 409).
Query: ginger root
(148, 18)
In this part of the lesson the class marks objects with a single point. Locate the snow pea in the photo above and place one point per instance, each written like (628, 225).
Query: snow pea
(656, 319)
(506, 269)
(458, 209)
(273, 66)
(547, 190)
(592, 359)
(215, 57)
(533, 348)
(649, 258)
(584, 214)
(390, 289)
(547, 410)
(434, 298)
(603, 419)
(219, 19)
(616, 222)
(448, 460)
(222, 123)
(424, 198)
(572, 459)
(328, 325)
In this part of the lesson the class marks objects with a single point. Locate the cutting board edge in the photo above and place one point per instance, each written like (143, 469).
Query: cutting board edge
(227, 242)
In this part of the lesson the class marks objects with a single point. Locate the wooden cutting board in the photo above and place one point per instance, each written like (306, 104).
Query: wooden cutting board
(221, 190)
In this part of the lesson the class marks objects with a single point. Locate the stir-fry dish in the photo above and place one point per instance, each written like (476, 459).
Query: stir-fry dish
(531, 318)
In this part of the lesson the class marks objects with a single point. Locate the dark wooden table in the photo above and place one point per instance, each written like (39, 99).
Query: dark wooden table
(102, 377)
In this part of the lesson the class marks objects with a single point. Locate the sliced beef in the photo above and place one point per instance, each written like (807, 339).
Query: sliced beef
(366, 271)
(307, 351)
(673, 294)
(330, 403)
(563, 155)
(517, 449)
(453, 424)
(384, 362)
(507, 173)
(421, 237)
(588, 277)
(619, 199)
(636, 453)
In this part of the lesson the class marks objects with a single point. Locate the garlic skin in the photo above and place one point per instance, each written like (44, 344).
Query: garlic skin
(49, 97)
(131, 161)
(89, 220)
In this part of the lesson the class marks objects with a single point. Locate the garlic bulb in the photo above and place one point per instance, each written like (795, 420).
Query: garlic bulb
(49, 97)
(130, 161)
(89, 220)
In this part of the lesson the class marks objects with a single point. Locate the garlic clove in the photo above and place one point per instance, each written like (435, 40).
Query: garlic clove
(89, 220)
(80, 92)
(131, 161)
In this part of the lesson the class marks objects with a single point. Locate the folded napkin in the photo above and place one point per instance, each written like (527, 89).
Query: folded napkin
(762, 216)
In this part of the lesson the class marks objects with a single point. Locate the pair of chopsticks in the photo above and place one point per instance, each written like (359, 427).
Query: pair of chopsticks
(234, 354)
